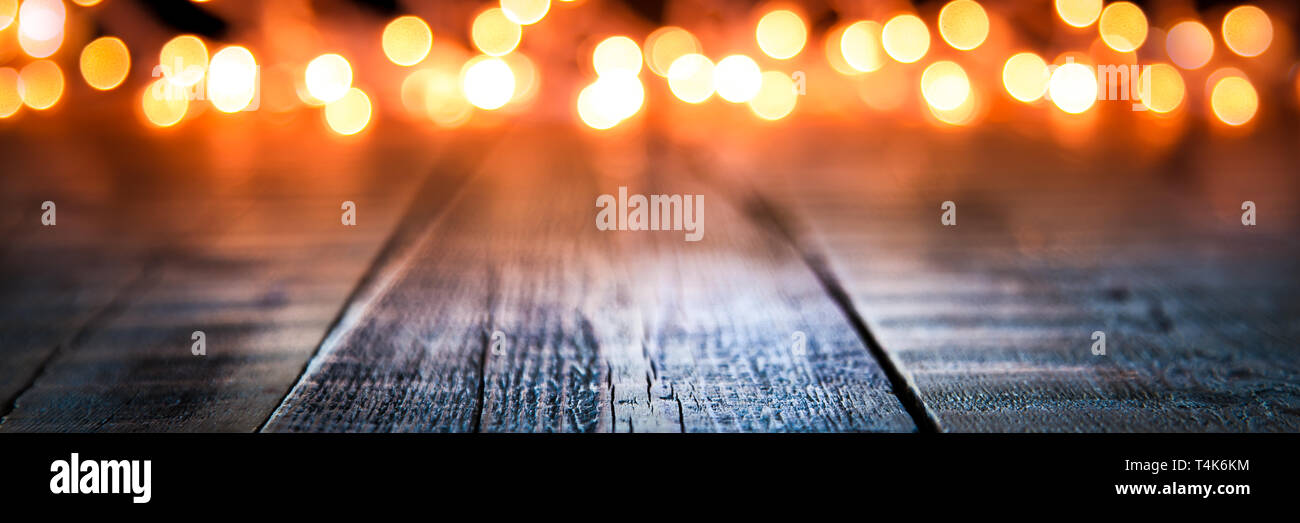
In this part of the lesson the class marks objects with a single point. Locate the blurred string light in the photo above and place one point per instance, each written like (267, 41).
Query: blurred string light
(667, 44)
(407, 40)
(616, 54)
(1025, 76)
(963, 24)
(184, 60)
(1163, 88)
(350, 114)
(40, 27)
(781, 34)
(162, 104)
(737, 78)
(526, 76)
(690, 78)
(105, 63)
(860, 45)
(1073, 87)
(617, 93)
(1233, 99)
(495, 34)
(328, 77)
(488, 82)
(525, 12)
(1247, 31)
(776, 97)
(1190, 44)
(8, 11)
(1078, 13)
(86, 3)
(40, 84)
(905, 38)
(1123, 26)
(232, 79)
(945, 86)
(10, 98)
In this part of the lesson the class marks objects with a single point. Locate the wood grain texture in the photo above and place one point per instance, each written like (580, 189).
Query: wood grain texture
(992, 319)
(251, 256)
(515, 314)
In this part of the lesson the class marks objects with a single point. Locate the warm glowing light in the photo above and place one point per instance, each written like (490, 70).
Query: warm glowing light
(1025, 76)
(776, 98)
(163, 103)
(86, 3)
(328, 77)
(781, 34)
(905, 38)
(526, 77)
(488, 83)
(350, 114)
(1123, 26)
(40, 27)
(1234, 100)
(406, 40)
(1079, 13)
(525, 12)
(963, 24)
(861, 46)
(1073, 87)
(105, 62)
(945, 85)
(494, 33)
(184, 60)
(616, 54)
(1190, 44)
(232, 79)
(958, 116)
(1166, 89)
(610, 100)
(8, 11)
(737, 78)
(690, 78)
(40, 84)
(436, 93)
(10, 98)
(666, 45)
(1247, 30)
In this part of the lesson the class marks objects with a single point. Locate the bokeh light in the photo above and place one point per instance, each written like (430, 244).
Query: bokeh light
(610, 99)
(945, 85)
(861, 46)
(1073, 87)
(526, 75)
(40, 27)
(1163, 89)
(105, 63)
(8, 12)
(1247, 30)
(525, 12)
(963, 24)
(232, 79)
(1025, 76)
(328, 77)
(184, 60)
(667, 44)
(350, 114)
(10, 99)
(1123, 26)
(690, 78)
(1234, 100)
(737, 78)
(406, 40)
(905, 38)
(163, 103)
(781, 34)
(40, 84)
(494, 33)
(617, 54)
(776, 97)
(488, 82)
(1190, 44)
(1078, 13)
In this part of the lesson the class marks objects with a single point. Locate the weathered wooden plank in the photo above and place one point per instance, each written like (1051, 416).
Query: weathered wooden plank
(516, 314)
(992, 319)
(261, 270)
